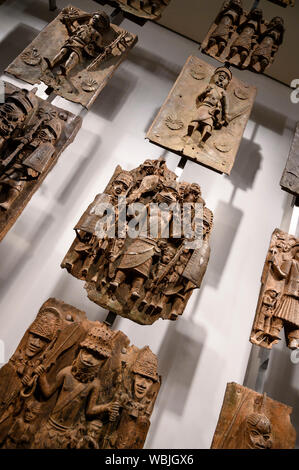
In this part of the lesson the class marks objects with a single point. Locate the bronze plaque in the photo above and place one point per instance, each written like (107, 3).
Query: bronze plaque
(148, 9)
(244, 38)
(249, 420)
(76, 384)
(204, 115)
(290, 178)
(76, 55)
(278, 304)
(152, 274)
(33, 134)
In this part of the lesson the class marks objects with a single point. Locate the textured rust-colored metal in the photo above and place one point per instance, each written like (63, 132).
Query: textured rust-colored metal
(76, 384)
(283, 3)
(290, 178)
(244, 38)
(148, 9)
(204, 115)
(75, 55)
(278, 304)
(33, 134)
(152, 274)
(249, 420)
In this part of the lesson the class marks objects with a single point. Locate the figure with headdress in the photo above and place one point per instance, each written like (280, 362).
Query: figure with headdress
(137, 404)
(17, 109)
(16, 376)
(268, 44)
(212, 108)
(78, 390)
(248, 32)
(33, 152)
(85, 40)
(227, 20)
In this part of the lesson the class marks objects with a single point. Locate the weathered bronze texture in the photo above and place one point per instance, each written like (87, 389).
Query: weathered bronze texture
(76, 384)
(153, 275)
(284, 3)
(249, 420)
(290, 178)
(75, 55)
(244, 39)
(149, 9)
(278, 304)
(204, 115)
(33, 134)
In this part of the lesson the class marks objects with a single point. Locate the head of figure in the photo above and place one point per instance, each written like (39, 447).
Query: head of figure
(207, 221)
(192, 193)
(94, 351)
(145, 373)
(42, 331)
(256, 14)
(19, 105)
(32, 411)
(277, 21)
(273, 294)
(222, 77)
(50, 131)
(168, 253)
(296, 254)
(122, 183)
(148, 167)
(258, 432)
(94, 429)
(236, 5)
(100, 21)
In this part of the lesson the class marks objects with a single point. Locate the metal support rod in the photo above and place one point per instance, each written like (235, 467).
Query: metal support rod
(52, 5)
(110, 319)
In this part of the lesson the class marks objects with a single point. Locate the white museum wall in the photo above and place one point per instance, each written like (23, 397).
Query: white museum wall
(208, 346)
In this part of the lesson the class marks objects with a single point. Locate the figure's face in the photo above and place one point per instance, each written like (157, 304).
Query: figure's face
(168, 255)
(206, 227)
(149, 170)
(119, 188)
(95, 20)
(190, 197)
(35, 344)
(94, 431)
(221, 79)
(141, 386)
(259, 437)
(10, 115)
(29, 415)
(91, 358)
(46, 135)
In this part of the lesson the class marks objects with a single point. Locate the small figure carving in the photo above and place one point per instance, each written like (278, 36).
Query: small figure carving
(244, 39)
(268, 45)
(90, 50)
(249, 420)
(227, 19)
(148, 9)
(212, 107)
(278, 305)
(153, 274)
(32, 136)
(76, 384)
(204, 115)
(290, 178)
(248, 32)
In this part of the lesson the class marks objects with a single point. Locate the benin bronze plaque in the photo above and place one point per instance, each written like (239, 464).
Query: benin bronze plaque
(76, 55)
(204, 115)
(290, 178)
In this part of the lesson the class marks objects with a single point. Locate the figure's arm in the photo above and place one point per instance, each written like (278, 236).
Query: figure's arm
(93, 409)
(48, 389)
(283, 270)
(224, 103)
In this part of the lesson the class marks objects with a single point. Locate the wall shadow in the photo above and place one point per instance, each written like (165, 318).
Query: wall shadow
(179, 356)
(154, 64)
(15, 42)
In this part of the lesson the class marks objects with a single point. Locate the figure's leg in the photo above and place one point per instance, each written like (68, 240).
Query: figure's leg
(243, 56)
(206, 132)
(70, 260)
(276, 327)
(86, 265)
(71, 62)
(212, 42)
(233, 51)
(221, 47)
(58, 58)
(119, 279)
(12, 195)
(177, 309)
(264, 64)
(136, 287)
(161, 304)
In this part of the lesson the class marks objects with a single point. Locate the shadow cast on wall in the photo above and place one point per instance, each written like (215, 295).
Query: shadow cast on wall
(11, 46)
